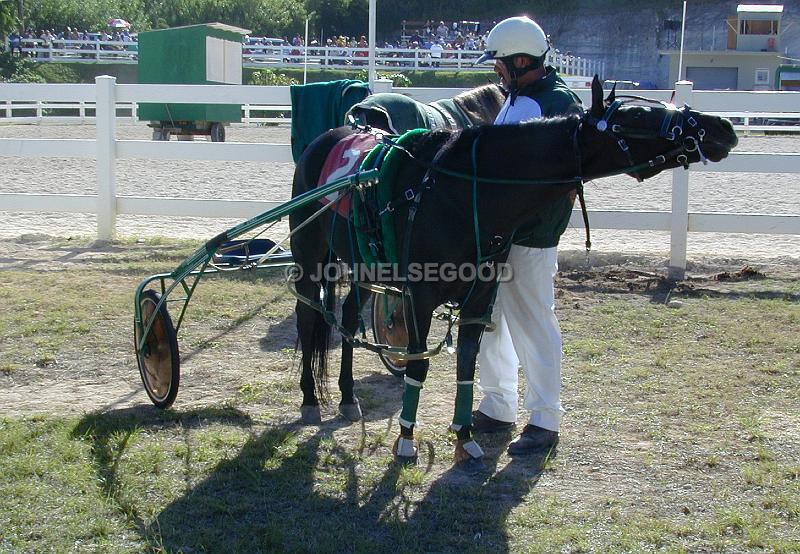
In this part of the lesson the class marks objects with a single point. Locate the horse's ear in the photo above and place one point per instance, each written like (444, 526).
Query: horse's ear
(598, 107)
(612, 95)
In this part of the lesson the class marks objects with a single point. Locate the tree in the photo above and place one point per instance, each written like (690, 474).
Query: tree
(8, 18)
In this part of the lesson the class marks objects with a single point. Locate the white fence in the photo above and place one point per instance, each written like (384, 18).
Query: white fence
(106, 149)
(276, 56)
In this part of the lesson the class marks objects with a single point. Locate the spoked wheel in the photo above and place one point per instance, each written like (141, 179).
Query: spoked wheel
(159, 362)
(389, 327)
(217, 132)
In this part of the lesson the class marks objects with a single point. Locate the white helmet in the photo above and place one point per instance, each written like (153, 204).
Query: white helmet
(515, 35)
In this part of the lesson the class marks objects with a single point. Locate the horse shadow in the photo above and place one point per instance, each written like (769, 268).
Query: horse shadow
(268, 498)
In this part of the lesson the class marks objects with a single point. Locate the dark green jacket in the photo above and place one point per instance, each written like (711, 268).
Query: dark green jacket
(550, 220)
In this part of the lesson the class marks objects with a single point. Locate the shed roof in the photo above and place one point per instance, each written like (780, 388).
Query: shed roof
(214, 25)
(759, 8)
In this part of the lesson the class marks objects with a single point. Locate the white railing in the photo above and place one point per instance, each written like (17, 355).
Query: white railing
(277, 56)
(106, 149)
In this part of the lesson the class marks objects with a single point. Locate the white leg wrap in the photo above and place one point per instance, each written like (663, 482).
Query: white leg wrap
(473, 449)
(407, 448)
(412, 382)
(455, 428)
(405, 423)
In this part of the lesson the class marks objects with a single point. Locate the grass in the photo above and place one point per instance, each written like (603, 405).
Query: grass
(681, 432)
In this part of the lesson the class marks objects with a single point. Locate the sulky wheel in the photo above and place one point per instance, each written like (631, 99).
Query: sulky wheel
(159, 362)
(217, 132)
(390, 328)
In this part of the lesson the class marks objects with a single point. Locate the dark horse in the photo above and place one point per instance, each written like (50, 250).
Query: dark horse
(472, 189)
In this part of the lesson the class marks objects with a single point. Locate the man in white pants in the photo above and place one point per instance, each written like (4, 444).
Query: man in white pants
(527, 331)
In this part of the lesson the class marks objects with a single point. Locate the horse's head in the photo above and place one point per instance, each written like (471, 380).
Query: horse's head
(642, 137)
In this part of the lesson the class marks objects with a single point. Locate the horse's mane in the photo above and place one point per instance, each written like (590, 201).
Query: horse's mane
(482, 103)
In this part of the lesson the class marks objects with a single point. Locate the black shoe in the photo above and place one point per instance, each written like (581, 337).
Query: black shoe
(533, 440)
(482, 423)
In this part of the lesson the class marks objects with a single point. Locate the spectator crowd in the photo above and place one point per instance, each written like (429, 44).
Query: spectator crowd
(437, 41)
(36, 43)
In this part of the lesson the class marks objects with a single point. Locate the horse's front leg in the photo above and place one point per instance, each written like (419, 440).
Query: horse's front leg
(418, 319)
(468, 453)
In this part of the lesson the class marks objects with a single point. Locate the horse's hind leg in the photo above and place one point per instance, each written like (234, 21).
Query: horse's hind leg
(355, 300)
(312, 335)
(467, 454)
(313, 332)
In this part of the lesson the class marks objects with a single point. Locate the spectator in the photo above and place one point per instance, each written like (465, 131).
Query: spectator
(441, 30)
(15, 40)
(362, 43)
(436, 53)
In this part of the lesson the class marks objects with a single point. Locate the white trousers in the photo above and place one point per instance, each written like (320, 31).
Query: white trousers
(527, 333)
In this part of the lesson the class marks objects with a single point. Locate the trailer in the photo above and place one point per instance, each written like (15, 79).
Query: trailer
(210, 53)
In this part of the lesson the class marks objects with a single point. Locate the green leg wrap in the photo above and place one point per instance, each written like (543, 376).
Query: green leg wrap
(408, 415)
(463, 415)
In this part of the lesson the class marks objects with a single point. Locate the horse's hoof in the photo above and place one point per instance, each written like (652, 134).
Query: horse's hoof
(351, 412)
(310, 415)
(405, 451)
(471, 466)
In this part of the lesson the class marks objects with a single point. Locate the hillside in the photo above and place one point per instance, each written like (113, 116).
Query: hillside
(628, 35)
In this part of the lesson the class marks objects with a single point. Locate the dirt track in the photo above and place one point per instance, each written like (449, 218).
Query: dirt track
(744, 193)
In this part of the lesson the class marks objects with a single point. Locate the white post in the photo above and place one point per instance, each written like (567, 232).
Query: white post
(679, 221)
(382, 85)
(105, 121)
(305, 54)
(8, 109)
(373, 74)
(683, 31)
(82, 111)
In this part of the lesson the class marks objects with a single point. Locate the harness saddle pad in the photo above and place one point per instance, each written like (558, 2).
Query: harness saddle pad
(343, 160)
(374, 230)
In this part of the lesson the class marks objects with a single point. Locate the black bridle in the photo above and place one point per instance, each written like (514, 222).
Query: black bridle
(673, 128)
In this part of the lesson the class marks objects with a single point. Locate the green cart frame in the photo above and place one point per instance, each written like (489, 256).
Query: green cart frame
(155, 334)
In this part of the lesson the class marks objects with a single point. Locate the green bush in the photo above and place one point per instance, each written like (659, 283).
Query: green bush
(397, 79)
(270, 78)
(16, 69)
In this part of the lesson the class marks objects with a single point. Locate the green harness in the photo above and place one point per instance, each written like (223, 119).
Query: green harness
(373, 217)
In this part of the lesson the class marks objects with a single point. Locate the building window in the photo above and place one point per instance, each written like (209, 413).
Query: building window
(758, 27)
(762, 76)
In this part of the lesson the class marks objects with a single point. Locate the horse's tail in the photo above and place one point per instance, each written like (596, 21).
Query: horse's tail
(321, 336)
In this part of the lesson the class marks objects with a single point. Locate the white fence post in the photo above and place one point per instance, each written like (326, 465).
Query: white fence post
(105, 120)
(382, 85)
(679, 221)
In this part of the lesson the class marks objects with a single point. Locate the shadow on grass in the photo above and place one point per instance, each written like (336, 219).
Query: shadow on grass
(110, 433)
(262, 502)
(280, 493)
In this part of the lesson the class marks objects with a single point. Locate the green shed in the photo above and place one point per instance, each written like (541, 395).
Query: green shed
(210, 53)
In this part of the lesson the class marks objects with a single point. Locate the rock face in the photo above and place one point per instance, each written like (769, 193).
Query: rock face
(628, 37)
